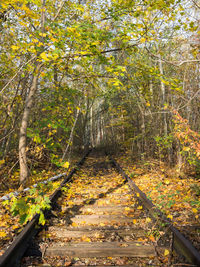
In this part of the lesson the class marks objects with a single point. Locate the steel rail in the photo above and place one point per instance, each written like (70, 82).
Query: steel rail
(14, 253)
(16, 193)
(181, 244)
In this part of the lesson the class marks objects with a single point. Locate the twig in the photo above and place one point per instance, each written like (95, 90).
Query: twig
(7, 135)
(13, 167)
(57, 14)
(100, 52)
(171, 250)
(175, 63)
(195, 3)
(17, 73)
(195, 95)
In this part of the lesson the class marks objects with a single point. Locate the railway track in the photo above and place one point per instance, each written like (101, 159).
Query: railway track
(99, 219)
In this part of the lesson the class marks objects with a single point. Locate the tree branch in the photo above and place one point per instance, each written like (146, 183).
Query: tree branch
(17, 73)
(101, 52)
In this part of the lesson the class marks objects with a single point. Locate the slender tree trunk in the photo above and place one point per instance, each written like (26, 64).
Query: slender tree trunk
(91, 127)
(164, 100)
(24, 173)
(71, 135)
(163, 91)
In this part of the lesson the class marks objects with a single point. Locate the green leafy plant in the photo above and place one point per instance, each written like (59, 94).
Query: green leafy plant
(163, 143)
(34, 203)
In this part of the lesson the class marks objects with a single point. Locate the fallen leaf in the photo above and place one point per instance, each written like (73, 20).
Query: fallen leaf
(68, 263)
(170, 216)
(194, 210)
(152, 238)
(124, 245)
(85, 238)
(166, 252)
(148, 220)
(2, 234)
(66, 165)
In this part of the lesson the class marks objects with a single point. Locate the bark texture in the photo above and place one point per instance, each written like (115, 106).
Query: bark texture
(24, 172)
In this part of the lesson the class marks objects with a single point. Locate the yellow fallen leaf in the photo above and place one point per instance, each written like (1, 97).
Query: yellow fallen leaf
(66, 165)
(74, 224)
(3, 223)
(124, 245)
(137, 194)
(2, 161)
(194, 210)
(127, 208)
(98, 235)
(89, 210)
(134, 221)
(167, 182)
(109, 258)
(2, 234)
(166, 252)
(85, 238)
(140, 239)
(140, 208)
(148, 220)
(170, 216)
(102, 224)
(15, 227)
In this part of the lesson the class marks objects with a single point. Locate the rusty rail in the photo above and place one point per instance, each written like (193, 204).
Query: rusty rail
(14, 253)
(181, 244)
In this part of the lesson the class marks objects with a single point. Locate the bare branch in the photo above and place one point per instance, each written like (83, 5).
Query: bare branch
(101, 52)
(195, 3)
(175, 63)
(194, 96)
(59, 10)
(17, 73)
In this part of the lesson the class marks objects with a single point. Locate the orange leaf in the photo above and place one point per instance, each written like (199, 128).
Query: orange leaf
(152, 238)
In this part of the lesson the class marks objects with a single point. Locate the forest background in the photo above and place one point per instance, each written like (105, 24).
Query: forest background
(117, 74)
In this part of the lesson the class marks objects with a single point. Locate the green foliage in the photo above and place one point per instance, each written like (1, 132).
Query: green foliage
(195, 188)
(91, 52)
(164, 143)
(35, 202)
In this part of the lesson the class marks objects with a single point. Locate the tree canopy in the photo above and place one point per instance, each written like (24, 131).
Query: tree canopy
(115, 73)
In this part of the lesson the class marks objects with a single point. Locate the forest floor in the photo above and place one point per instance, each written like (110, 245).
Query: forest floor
(177, 197)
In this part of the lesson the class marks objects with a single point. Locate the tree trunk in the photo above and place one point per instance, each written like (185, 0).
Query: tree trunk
(163, 91)
(24, 173)
(71, 134)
